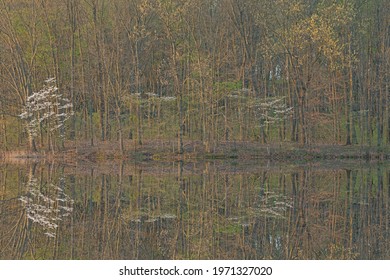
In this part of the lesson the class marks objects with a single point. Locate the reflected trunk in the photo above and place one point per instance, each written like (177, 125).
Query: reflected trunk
(200, 210)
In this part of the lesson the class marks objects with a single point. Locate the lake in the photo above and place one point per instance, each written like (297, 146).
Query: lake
(196, 210)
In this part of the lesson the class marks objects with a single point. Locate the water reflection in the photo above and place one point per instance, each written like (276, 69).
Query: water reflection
(195, 211)
(46, 204)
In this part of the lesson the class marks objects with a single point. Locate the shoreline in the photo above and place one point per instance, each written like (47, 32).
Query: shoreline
(195, 151)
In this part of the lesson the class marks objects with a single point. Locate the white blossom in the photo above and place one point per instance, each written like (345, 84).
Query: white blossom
(46, 108)
(272, 110)
(168, 98)
(151, 94)
(50, 80)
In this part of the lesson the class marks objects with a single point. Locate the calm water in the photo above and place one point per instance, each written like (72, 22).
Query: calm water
(209, 210)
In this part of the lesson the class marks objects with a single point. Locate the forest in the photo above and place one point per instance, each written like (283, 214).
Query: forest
(193, 73)
(194, 129)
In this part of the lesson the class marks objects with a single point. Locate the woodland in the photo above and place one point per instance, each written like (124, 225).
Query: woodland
(183, 76)
(194, 129)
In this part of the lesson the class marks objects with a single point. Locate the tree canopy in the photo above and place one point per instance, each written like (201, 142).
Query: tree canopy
(195, 70)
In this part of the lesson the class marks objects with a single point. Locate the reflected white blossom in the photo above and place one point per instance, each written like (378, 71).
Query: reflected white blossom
(48, 208)
(273, 205)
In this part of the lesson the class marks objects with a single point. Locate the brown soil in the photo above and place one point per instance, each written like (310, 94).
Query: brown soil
(195, 151)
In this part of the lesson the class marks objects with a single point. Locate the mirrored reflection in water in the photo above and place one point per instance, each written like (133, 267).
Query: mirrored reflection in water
(46, 204)
(207, 210)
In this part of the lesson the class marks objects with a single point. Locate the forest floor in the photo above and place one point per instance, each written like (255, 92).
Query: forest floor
(161, 158)
(161, 150)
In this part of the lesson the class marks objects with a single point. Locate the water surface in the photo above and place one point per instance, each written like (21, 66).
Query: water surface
(206, 210)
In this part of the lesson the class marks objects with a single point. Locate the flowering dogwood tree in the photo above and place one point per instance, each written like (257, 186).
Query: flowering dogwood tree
(272, 110)
(46, 109)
